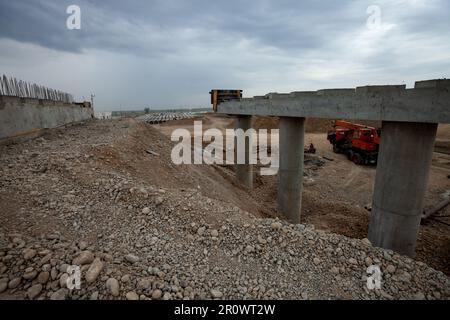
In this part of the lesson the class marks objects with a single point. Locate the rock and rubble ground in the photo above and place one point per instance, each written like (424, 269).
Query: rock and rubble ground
(141, 227)
(337, 193)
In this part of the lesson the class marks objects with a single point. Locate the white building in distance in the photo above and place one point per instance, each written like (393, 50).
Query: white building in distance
(103, 115)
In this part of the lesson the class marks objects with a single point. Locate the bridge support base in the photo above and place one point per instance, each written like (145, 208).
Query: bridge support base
(244, 172)
(401, 179)
(290, 173)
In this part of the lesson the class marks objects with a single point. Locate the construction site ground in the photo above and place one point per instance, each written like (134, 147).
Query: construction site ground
(337, 195)
(105, 195)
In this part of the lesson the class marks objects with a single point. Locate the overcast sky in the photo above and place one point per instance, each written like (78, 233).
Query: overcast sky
(165, 53)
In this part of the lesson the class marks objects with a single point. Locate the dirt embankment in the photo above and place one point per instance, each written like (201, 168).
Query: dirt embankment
(143, 228)
(334, 198)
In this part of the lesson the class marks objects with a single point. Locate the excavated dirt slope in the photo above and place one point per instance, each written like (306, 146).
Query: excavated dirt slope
(335, 195)
(141, 227)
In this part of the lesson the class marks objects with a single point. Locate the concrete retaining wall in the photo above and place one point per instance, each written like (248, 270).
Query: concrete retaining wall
(20, 116)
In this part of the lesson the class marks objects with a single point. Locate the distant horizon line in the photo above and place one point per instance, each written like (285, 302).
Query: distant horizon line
(153, 109)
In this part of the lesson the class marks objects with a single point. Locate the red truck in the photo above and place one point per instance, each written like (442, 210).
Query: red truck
(359, 142)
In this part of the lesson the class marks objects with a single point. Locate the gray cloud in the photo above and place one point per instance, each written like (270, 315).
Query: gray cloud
(142, 27)
(170, 53)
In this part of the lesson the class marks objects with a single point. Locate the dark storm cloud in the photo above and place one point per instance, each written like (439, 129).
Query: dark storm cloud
(152, 27)
(162, 27)
(171, 52)
(39, 22)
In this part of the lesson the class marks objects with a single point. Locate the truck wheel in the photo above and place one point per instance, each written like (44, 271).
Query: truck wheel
(350, 155)
(336, 149)
(356, 158)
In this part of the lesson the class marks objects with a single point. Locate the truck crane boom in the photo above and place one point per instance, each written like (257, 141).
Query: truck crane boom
(359, 142)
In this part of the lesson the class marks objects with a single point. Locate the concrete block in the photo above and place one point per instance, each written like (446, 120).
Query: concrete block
(438, 83)
(298, 94)
(399, 89)
(336, 92)
(19, 116)
(275, 95)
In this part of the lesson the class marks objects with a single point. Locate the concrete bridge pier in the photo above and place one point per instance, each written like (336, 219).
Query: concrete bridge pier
(244, 172)
(409, 117)
(290, 173)
(401, 180)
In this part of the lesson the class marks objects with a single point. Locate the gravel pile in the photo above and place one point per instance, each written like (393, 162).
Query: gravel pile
(61, 205)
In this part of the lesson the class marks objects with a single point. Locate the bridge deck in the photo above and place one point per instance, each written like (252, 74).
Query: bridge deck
(428, 102)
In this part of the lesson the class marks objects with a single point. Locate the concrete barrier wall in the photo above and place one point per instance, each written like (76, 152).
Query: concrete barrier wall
(19, 116)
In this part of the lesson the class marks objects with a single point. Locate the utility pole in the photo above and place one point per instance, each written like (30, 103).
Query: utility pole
(92, 100)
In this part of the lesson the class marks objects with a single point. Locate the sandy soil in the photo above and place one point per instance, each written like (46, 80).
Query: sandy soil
(336, 198)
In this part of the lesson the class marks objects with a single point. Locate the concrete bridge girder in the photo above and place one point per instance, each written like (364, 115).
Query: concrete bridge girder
(409, 120)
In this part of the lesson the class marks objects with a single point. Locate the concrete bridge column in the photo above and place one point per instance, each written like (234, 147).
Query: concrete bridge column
(244, 172)
(290, 173)
(401, 180)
